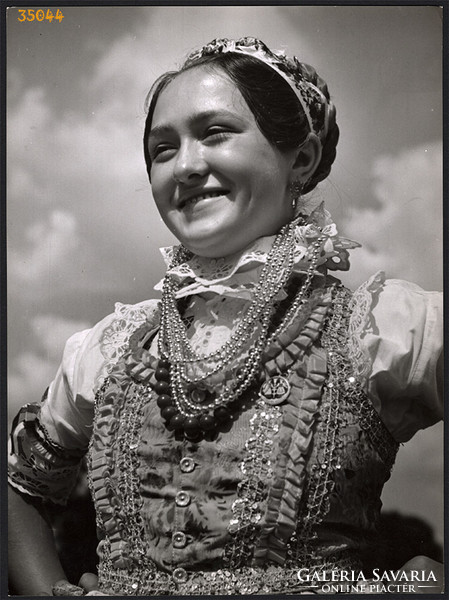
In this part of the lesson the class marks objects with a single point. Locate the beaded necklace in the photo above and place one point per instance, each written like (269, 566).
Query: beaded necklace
(181, 374)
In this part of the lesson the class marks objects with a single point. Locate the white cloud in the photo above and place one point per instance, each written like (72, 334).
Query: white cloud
(403, 236)
(89, 164)
(31, 372)
(21, 183)
(52, 332)
(29, 376)
(28, 170)
(50, 246)
(22, 132)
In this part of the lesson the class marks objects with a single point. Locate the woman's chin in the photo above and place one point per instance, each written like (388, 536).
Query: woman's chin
(215, 248)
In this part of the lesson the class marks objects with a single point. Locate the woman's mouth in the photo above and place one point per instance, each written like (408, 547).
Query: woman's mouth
(192, 200)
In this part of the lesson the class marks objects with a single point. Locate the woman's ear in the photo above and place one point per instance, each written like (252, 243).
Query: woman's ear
(307, 158)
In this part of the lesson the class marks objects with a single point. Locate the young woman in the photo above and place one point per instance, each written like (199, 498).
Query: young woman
(241, 428)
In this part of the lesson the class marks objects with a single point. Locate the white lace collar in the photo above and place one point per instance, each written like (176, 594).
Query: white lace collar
(237, 275)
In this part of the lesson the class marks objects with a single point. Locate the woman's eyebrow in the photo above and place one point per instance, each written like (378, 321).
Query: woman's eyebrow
(160, 131)
(204, 115)
(195, 118)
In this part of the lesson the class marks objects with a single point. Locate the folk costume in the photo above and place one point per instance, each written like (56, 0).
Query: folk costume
(243, 427)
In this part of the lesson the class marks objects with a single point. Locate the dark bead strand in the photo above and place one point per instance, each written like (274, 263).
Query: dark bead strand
(193, 428)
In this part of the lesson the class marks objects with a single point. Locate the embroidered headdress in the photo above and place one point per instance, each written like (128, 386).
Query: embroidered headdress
(313, 102)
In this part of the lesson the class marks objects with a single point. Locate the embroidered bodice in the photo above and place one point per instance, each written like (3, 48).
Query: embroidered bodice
(285, 486)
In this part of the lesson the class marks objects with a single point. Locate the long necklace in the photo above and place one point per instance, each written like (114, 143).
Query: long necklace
(273, 277)
(185, 403)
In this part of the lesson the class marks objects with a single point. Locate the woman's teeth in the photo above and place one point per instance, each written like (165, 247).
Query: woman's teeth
(196, 199)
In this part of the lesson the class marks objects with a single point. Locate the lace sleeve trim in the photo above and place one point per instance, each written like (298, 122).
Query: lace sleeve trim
(360, 307)
(128, 318)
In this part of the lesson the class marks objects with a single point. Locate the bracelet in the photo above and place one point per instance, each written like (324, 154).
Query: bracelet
(64, 588)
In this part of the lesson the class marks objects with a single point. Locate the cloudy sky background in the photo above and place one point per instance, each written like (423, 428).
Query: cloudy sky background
(82, 229)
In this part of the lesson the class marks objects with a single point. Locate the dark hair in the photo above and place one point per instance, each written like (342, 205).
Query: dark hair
(276, 109)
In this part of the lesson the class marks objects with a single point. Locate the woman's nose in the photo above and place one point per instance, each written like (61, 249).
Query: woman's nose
(190, 163)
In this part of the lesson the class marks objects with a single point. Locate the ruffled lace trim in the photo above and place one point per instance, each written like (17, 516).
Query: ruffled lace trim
(360, 309)
(129, 317)
(118, 507)
(296, 433)
(238, 275)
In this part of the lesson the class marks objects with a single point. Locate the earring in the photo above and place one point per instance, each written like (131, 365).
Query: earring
(296, 188)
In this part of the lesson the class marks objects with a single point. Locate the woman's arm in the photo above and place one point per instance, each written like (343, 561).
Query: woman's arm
(433, 569)
(33, 562)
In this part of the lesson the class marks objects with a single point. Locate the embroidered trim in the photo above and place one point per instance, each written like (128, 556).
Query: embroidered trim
(129, 317)
(257, 468)
(342, 387)
(306, 377)
(119, 507)
(359, 308)
(378, 434)
(243, 581)
(287, 352)
(129, 514)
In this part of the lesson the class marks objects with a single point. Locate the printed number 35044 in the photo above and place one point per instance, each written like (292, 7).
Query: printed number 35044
(30, 14)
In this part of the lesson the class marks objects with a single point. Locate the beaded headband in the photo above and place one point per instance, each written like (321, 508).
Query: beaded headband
(313, 102)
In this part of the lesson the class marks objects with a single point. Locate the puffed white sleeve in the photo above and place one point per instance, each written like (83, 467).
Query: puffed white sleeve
(67, 412)
(400, 335)
(48, 440)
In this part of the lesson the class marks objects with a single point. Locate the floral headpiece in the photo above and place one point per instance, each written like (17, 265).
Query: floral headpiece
(313, 101)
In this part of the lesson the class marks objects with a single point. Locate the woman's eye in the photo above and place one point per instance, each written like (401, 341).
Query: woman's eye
(161, 151)
(218, 133)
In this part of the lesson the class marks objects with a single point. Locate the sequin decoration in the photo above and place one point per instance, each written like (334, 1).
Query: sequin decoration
(257, 466)
(342, 391)
(119, 506)
(244, 581)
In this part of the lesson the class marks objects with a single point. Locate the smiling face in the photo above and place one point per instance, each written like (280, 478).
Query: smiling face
(217, 181)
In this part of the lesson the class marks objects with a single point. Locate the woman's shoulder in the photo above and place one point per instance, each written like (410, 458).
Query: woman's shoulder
(396, 339)
(114, 331)
(111, 334)
(394, 305)
(86, 362)
(383, 291)
(129, 315)
(397, 311)
(403, 288)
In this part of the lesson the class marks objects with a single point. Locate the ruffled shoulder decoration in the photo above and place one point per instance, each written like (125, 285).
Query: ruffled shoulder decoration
(360, 307)
(128, 318)
(238, 275)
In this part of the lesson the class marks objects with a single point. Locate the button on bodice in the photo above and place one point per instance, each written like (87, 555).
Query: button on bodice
(180, 575)
(187, 464)
(182, 498)
(179, 539)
